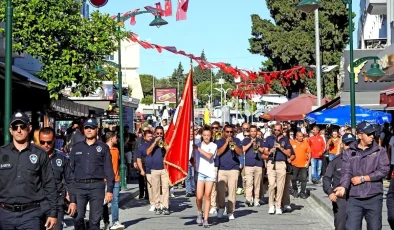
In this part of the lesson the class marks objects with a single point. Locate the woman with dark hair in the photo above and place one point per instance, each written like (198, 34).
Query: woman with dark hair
(205, 167)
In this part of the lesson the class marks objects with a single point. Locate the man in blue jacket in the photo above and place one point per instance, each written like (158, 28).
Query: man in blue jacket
(364, 167)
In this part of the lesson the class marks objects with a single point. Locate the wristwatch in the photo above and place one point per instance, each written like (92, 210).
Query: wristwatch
(362, 179)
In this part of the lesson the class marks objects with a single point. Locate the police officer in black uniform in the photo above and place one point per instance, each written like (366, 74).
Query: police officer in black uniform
(331, 180)
(63, 176)
(90, 163)
(26, 180)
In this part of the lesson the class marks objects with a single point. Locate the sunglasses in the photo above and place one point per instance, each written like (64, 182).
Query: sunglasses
(48, 142)
(229, 131)
(215, 127)
(245, 129)
(159, 133)
(277, 130)
(370, 134)
(22, 126)
(89, 127)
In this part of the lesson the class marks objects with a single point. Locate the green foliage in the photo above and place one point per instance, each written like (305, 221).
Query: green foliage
(200, 75)
(69, 47)
(147, 100)
(146, 84)
(204, 89)
(290, 39)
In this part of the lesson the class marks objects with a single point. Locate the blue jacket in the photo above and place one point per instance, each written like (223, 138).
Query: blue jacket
(372, 161)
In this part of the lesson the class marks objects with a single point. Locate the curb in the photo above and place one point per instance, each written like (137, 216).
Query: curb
(131, 194)
(321, 203)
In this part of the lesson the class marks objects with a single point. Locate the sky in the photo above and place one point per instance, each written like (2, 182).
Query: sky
(218, 27)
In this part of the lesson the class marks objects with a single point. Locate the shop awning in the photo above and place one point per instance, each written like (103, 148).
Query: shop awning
(370, 100)
(69, 107)
(23, 77)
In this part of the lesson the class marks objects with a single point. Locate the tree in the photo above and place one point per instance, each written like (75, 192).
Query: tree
(146, 84)
(204, 89)
(147, 100)
(289, 41)
(200, 75)
(178, 77)
(69, 47)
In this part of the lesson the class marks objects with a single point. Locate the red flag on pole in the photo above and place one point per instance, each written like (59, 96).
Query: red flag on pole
(158, 8)
(167, 8)
(177, 137)
(181, 12)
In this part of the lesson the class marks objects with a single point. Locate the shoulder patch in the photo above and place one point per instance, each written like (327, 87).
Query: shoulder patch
(59, 162)
(33, 158)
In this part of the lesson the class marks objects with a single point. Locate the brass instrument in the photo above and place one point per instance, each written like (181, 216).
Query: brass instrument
(161, 143)
(232, 145)
(256, 146)
(218, 135)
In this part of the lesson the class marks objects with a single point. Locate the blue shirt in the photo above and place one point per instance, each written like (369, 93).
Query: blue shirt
(157, 157)
(229, 159)
(252, 158)
(284, 143)
(92, 162)
(146, 160)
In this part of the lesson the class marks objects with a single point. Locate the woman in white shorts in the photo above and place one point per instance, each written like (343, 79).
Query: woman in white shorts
(205, 168)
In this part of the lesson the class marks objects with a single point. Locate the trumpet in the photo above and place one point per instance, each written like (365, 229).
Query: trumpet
(232, 145)
(256, 146)
(218, 135)
(161, 143)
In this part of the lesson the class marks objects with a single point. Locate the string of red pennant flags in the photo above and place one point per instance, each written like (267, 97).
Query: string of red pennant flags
(287, 77)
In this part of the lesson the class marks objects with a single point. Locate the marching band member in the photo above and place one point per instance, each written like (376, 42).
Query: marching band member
(229, 148)
(253, 148)
(205, 166)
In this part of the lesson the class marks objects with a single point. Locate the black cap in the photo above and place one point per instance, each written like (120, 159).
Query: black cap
(92, 122)
(365, 127)
(348, 137)
(19, 116)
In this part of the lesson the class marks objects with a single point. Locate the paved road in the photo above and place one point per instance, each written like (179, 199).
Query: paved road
(307, 215)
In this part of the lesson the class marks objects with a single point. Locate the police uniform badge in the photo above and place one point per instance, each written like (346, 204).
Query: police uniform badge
(59, 162)
(98, 148)
(33, 158)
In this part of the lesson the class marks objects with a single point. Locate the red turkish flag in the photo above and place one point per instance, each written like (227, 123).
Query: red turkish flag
(168, 8)
(158, 8)
(132, 19)
(181, 12)
(176, 160)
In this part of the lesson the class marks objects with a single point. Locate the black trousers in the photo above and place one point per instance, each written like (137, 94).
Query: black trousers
(105, 214)
(142, 185)
(60, 213)
(370, 208)
(93, 193)
(301, 175)
(339, 209)
(390, 204)
(31, 219)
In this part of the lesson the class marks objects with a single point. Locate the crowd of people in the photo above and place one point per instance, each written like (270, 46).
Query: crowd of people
(48, 177)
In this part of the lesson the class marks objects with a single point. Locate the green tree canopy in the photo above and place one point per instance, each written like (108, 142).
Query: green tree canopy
(146, 84)
(290, 39)
(204, 89)
(69, 47)
(200, 75)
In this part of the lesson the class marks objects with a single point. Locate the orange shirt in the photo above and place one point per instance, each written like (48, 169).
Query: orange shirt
(318, 146)
(115, 162)
(301, 150)
(333, 149)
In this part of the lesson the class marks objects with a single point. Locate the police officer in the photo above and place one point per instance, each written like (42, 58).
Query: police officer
(26, 180)
(59, 161)
(331, 180)
(90, 163)
(76, 136)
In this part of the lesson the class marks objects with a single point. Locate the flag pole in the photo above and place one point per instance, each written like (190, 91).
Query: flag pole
(192, 118)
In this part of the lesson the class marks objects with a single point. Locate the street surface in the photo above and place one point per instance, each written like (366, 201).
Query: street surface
(306, 215)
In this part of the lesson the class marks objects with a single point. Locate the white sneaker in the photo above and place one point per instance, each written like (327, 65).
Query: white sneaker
(231, 216)
(220, 213)
(213, 210)
(278, 211)
(257, 204)
(271, 210)
(152, 208)
(287, 208)
(117, 225)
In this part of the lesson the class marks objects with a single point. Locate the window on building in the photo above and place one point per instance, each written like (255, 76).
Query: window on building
(110, 57)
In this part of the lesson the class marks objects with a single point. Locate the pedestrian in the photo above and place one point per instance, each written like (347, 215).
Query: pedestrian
(140, 166)
(331, 180)
(317, 144)
(300, 165)
(278, 149)
(365, 165)
(333, 145)
(190, 181)
(62, 173)
(253, 147)
(90, 162)
(26, 181)
(76, 136)
(241, 178)
(204, 155)
(215, 130)
(160, 180)
(112, 141)
(229, 149)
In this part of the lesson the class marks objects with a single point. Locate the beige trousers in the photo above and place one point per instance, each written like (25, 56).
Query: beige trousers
(150, 189)
(286, 191)
(253, 179)
(262, 189)
(160, 177)
(227, 178)
(276, 181)
(214, 193)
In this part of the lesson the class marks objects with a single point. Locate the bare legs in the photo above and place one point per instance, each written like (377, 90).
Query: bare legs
(204, 190)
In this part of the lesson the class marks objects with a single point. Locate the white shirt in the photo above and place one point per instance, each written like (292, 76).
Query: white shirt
(240, 136)
(196, 141)
(266, 132)
(203, 165)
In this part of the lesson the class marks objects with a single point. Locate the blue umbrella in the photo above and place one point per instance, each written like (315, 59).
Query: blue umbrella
(341, 116)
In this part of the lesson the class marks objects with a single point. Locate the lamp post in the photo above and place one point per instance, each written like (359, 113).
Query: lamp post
(158, 21)
(375, 73)
(8, 72)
